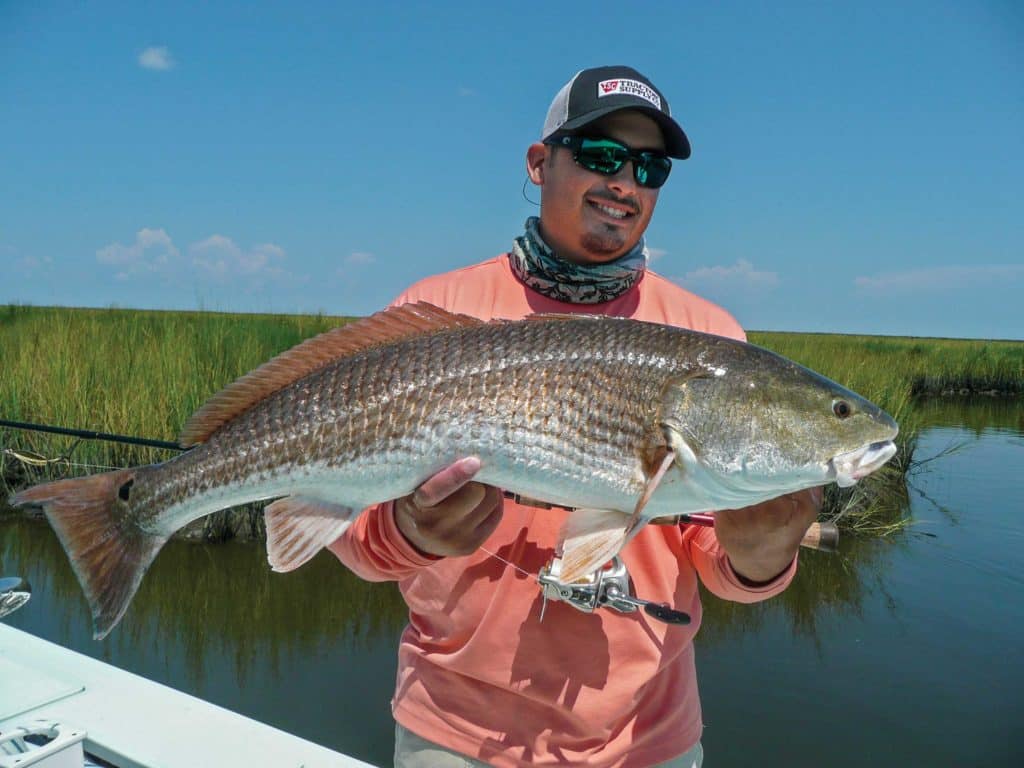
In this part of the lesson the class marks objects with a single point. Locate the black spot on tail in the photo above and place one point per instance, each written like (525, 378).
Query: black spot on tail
(125, 490)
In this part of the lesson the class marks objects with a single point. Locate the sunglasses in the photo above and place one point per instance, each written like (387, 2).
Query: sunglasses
(604, 156)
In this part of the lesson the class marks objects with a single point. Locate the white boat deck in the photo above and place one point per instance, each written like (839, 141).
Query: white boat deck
(133, 722)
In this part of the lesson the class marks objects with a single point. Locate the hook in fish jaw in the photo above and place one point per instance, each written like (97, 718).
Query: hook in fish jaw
(607, 587)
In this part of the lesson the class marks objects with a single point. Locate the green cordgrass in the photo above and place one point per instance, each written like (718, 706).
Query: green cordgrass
(139, 373)
(142, 373)
(873, 364)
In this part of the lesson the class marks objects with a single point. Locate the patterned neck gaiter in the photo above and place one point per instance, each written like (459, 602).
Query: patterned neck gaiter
(537, 265)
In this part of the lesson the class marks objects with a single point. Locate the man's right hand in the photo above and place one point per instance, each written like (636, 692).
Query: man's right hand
(449, 515)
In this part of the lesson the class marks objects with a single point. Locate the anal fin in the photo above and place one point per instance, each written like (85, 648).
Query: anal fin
(589, 539)
(300, 526)
(592, 537)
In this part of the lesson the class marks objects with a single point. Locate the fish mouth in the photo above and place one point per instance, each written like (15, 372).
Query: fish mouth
(847, 468)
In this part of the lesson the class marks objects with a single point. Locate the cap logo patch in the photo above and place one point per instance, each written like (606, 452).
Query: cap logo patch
(629, 88)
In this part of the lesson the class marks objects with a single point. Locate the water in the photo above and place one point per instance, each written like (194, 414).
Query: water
(896, 652)
(924, 667)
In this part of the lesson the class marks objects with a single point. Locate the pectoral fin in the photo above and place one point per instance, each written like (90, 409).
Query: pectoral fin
(299, 526)
(663, 460)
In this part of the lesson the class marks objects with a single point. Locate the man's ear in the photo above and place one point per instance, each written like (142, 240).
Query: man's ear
(536, 157)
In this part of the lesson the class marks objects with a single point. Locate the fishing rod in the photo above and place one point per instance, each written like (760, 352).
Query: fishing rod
(88, 434)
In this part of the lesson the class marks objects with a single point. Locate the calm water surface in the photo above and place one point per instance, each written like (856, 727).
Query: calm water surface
(897, 652)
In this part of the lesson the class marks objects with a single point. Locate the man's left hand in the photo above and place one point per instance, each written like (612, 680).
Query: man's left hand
(762, 540)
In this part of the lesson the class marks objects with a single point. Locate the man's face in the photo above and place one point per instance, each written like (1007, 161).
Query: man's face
(580, 210)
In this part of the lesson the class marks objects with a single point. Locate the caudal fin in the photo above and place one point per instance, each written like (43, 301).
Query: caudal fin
(108, 550)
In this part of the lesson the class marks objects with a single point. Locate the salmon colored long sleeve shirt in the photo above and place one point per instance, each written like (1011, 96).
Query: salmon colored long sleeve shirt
(478, 672)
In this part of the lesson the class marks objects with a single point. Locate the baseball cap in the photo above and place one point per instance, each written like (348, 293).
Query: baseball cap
(594, 93)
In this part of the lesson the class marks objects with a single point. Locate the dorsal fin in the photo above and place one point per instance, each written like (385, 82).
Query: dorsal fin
(549, 316)
(381, 328)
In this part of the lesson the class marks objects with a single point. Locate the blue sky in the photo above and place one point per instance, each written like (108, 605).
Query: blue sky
(857, 167)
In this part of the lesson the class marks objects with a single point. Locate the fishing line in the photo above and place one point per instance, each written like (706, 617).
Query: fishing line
(506, 562)
(33, 459)
(37, 460)
(91, 466)
(522, 520)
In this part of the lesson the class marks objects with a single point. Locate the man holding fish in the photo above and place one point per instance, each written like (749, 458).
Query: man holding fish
(482, 678)
(600, 389)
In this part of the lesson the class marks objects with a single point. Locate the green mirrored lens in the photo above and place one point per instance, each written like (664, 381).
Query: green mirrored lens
(607, 157)
(656, 169)
(601, 156)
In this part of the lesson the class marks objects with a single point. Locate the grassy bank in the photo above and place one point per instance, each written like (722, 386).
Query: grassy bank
(143, 373)
(135, 372)
(126, 372)
(927, 367)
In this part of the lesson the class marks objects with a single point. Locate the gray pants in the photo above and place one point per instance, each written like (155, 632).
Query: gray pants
(412, 751)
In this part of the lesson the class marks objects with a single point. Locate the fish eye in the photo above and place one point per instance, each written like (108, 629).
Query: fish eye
(841, 408)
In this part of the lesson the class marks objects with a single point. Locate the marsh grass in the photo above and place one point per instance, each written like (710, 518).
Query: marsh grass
(926, 366)
(138, 373)
(142, 373)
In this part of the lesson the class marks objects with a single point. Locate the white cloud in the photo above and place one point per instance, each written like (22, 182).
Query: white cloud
(30, 266)
(152, 251)
(936, 279)
(358, 259)
(32, 263)
(466, 92)
(656, 253)
(158, 58)
(215, 259)
(741, 274)
(220, 258)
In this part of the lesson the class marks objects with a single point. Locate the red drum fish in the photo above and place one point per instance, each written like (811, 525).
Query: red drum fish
(623, 420)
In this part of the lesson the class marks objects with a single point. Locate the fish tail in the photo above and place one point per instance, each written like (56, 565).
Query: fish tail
(108, 550)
